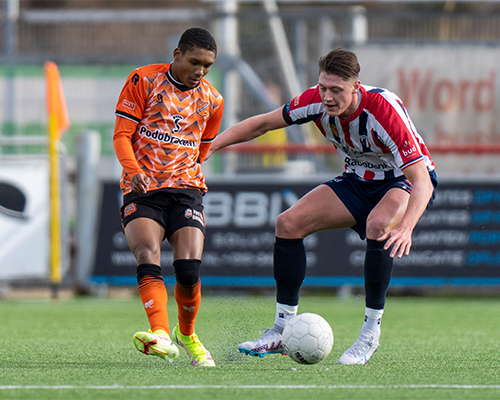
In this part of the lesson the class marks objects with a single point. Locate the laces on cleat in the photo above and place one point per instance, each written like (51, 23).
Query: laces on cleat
(361, 351)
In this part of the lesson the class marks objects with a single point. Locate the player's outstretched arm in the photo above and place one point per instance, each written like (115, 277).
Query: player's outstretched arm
(248, 129)
(421, 193)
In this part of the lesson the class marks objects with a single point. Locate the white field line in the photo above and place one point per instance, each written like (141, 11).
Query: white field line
(204, 387)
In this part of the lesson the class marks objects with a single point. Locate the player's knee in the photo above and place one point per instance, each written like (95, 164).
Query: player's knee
(146, 253)
(375, 227)
(187, 272)
(286, 227)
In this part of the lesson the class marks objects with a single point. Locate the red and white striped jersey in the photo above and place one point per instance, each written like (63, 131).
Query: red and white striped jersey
(377, 142)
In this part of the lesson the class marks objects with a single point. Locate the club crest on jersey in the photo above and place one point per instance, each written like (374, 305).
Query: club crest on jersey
(129, 210)
(202, 108)
(128, 104)
(335, 133)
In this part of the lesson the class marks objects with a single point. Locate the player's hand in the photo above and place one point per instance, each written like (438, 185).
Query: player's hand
(209, 153)
(399, 239)
(140, 183)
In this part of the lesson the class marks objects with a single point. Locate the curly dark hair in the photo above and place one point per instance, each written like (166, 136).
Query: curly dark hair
(197, 37)
(341, 62)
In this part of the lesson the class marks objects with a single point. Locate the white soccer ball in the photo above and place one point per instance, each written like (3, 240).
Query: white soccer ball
(307, 338)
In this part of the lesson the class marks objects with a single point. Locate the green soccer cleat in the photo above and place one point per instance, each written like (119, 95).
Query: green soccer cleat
(156, 345)
(200, 357)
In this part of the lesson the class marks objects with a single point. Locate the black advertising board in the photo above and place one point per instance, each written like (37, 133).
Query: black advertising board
(456, 242)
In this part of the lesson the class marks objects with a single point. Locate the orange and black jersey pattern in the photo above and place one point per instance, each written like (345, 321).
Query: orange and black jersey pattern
(164, 129)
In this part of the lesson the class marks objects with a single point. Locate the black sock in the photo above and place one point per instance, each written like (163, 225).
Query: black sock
(378, 270)
(289, 269)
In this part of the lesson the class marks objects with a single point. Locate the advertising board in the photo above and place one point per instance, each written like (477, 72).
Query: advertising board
(456, 242)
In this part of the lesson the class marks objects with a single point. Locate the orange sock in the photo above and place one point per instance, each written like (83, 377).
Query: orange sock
(154, 297)
(188, 303)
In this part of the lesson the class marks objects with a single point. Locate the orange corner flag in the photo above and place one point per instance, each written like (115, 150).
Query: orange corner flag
(56, 103)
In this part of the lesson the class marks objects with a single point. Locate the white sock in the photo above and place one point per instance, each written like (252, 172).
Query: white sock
(283, 313)
(372, 320)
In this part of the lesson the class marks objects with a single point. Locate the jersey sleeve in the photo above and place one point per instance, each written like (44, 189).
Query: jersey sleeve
(211, 130)
(122, 144)
(304, 108)
(393, 116)
(409, 150)
(129, 112)
(132, 99)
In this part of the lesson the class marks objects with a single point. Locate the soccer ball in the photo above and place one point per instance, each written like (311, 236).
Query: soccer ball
(307, 338)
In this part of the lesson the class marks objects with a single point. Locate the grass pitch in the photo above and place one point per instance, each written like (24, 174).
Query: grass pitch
(82, 349)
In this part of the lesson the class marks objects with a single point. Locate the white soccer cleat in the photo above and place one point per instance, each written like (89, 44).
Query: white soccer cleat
(269, 343)
(362, 349)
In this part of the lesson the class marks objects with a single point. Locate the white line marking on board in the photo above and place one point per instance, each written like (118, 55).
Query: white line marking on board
(114, 387)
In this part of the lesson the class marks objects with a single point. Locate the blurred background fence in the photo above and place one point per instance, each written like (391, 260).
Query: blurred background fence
(442, 58)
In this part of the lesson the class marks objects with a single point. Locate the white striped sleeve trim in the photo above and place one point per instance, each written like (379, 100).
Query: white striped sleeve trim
(127, 116)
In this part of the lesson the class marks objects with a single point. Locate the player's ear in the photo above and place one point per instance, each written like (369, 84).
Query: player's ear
(177, 53)
(356, 86)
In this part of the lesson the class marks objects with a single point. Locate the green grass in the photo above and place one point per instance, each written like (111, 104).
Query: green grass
(82, 349)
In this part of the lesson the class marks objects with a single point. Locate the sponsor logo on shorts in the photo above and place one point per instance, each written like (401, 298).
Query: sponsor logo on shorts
(129, 210)
(195, 215)
(128, 104)
(406, 185)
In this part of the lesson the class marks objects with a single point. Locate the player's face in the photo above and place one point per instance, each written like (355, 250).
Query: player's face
(189, 67)
(339, 97)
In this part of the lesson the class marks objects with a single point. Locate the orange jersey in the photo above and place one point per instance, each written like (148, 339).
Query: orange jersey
(164, 129)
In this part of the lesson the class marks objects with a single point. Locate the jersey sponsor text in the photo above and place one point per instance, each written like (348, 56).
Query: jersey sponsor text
(166, 138)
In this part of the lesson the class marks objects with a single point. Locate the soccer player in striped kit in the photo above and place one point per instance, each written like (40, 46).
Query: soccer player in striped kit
(166, 118)
(388, 183)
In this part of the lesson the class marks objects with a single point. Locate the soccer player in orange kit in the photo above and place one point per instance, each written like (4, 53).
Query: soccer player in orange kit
(166, 118)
